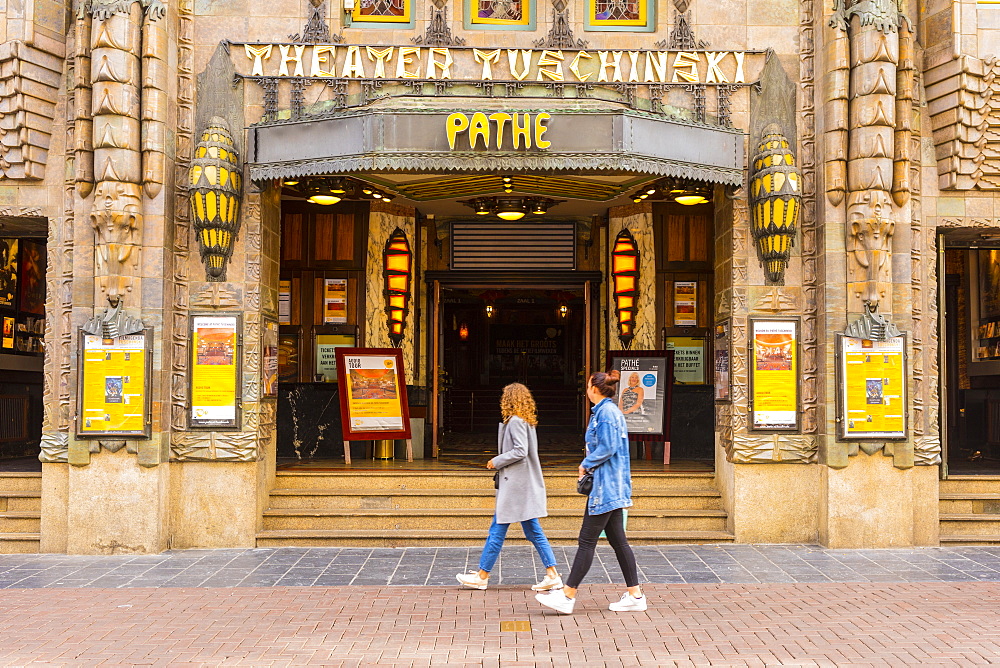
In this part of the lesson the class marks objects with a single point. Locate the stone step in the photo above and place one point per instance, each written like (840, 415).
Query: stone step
(470, 498)
(20, 543)
(970, 484)
(482, 480)
(20, 522)
(21, 481)
(473, 518)
(970, 524)
(20, 500)
(965, 539)
(456, 538)
(970, 503)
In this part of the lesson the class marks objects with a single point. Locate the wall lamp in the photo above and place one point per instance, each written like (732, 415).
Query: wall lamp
(397, 268)
(775, 200)
(625, 281)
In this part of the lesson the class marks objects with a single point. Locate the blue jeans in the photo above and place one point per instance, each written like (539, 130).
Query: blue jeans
(498, 532)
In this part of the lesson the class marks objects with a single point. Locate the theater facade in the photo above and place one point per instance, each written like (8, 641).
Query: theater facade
(792, 204)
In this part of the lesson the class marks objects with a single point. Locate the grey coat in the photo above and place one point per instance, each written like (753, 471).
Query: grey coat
(521, 495)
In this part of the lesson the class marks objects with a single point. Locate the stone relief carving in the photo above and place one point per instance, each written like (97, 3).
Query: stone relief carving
(29, 86)
(231, 446)
(869, 112)
(560, 35)
(777, 300)
(438, 29)
(963, 99)
(120, 105)
(682, 35)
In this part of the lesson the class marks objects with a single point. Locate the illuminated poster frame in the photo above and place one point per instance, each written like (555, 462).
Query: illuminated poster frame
(98, 391)
(659, 363)
(361, 415)
(214, 388)
(864, 384)
(774, 392)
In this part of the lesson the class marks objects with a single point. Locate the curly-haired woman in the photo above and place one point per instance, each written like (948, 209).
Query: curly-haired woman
(521, 491)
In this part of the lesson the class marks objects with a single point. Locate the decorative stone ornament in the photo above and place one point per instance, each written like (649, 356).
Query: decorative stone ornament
(775, 200)
(397, 271)
(625, 277)
(216, 187)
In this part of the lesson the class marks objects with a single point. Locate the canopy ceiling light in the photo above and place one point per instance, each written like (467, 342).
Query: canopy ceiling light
(397, 260)
(682, 191)
(328, 190)
(510, 208)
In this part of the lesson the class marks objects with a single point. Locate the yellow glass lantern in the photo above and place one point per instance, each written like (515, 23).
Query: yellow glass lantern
(625, 277)
(216, 186)
(775, 200)
(397, 265)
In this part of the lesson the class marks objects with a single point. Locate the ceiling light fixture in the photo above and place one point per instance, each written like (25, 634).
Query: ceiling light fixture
(683, 191)
(510, 208)
(327, 191)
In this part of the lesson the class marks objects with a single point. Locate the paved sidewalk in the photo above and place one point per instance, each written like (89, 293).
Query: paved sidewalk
(518, 565)
(803, 606)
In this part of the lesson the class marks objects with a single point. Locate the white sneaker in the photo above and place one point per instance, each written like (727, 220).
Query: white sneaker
(548, 583)
(557, 600)
(472, 580)
(629, 603)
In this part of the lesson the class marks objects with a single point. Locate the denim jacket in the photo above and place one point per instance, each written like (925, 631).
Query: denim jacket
(608, 459)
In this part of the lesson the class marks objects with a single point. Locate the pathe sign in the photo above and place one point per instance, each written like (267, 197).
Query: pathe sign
(478, 128)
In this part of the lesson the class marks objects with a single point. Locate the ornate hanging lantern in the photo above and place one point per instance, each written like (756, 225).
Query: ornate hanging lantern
(397, 264)
(216, 185)
(775, 199)
(625, 274)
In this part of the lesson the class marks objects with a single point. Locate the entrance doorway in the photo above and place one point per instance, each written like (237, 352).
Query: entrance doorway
(970, 336)
(493, 337)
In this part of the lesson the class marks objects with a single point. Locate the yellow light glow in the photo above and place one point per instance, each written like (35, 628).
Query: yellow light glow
(511, 215)
(690, 200)
(291, 183)
(397, 262)
(325, 200)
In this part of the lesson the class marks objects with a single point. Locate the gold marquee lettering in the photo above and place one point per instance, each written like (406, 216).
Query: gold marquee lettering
(480, 129)
(475, 64)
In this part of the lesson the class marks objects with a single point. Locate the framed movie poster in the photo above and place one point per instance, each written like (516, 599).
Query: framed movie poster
(871, 383)
(215, 371)
(722, 362)
(644, 391)
(334, 301)
(32, 277)
(8, 333)
(989, 284)
(8, 272)
(288, 354)
(774, 382)
(114, 377)
(373, 402)
(269, 363)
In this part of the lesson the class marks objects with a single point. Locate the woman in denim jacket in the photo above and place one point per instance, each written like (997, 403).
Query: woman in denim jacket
(608, 459)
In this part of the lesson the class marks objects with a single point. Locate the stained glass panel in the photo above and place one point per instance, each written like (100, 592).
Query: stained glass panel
(509, 12)
(382, 11)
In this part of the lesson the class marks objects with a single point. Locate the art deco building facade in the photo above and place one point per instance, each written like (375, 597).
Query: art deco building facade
(779, 218)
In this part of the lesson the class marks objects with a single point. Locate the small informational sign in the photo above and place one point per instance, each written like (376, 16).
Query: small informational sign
(326, 355)
(685, 303)
(774, 374)
(689, 359)
(269, 363)
(335, 301)
(872, 387)
(644, 390)
(284, 302)
(8, 333)
(722, 362)
(215, 369)
(373, 402)
(114, 386)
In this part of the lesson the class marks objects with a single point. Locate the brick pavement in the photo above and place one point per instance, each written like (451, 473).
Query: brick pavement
(817, 624)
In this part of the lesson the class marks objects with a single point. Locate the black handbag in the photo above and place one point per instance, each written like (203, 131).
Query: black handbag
(585, 484)
(496, 480)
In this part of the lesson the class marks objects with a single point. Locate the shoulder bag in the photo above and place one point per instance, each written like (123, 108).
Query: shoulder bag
(585, 484)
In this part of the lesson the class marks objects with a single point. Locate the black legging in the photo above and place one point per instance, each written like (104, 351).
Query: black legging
(613, 524)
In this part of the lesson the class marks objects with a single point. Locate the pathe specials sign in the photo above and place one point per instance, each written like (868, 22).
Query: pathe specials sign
(473, 64)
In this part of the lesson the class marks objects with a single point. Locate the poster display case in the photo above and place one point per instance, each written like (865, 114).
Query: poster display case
(722, 362)
(114, 375)
(871, 384)
(644, 392)
(774, 374)
(216, 363)
(373, 403)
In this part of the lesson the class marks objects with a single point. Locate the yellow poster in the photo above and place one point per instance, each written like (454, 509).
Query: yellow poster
(374, 401)
(114, 385)
(214, 371)
(775, 380)
(874, 388)
(8, 332)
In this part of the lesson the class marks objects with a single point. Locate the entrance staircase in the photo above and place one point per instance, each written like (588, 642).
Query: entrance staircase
(453, 508)
(970, 510)
(20, 512)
